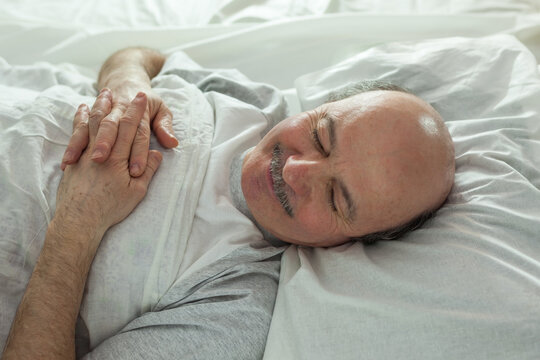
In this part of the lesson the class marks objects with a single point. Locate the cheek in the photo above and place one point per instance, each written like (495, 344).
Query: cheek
(314, 220)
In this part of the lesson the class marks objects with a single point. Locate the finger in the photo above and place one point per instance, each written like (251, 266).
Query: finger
(106, 135)
(141, 145)
(79, 139)
(162, 126)
(127, 127)
(154, 160)
(100, 109)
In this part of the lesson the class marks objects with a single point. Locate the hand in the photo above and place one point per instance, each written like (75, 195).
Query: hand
(157, 115)
(96, 196)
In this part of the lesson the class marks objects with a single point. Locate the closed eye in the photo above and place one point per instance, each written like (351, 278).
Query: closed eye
(331, 201)
(317, 141)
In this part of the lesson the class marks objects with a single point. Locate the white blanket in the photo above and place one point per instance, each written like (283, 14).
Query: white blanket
(140, 258)
(484, 253)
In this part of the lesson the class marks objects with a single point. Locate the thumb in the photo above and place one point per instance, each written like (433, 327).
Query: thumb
(162, 125)
(154, 160)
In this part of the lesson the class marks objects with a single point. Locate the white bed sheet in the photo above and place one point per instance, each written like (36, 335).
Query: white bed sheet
(138, 14)
(269, 43)
(276, 52)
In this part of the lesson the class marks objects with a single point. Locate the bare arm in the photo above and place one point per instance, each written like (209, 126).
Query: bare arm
(127, 72)
(130, 68)
(44, 326)
(91, 198)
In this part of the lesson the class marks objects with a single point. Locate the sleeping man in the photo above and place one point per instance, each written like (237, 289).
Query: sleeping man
(371, 163)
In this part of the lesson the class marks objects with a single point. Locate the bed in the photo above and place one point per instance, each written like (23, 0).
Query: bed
(467, 284)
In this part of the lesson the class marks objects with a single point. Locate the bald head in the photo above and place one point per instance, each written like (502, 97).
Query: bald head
(410, 154)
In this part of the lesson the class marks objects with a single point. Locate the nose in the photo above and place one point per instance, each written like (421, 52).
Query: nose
(302, 174)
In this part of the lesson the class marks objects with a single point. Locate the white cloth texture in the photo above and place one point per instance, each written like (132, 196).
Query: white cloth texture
(496, 142)
(467, 284)
(176, 232)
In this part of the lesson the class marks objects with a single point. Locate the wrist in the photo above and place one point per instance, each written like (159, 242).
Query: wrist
(135, 65)
(124, 90)
(75, 234)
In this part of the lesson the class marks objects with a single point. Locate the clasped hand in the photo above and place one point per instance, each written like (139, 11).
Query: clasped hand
(94, 196)
(157, 117)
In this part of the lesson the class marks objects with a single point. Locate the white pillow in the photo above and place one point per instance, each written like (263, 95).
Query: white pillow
(466, 285)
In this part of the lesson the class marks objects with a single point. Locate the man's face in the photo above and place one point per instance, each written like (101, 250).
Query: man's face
(348, 168)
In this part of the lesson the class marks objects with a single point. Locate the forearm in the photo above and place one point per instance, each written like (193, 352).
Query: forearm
(44, 326)
(130, 70)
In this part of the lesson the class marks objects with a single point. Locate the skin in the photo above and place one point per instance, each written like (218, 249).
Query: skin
(392, 154)
(91, 198)
(126, 73)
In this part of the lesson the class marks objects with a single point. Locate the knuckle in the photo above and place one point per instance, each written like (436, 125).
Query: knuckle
(97, 114)
(108, 122)
(83, 126)
(143, 130)
(125, 120)
(102, 145)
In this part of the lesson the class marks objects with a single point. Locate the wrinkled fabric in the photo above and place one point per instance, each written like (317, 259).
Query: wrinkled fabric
(467, 284)
(183, 232)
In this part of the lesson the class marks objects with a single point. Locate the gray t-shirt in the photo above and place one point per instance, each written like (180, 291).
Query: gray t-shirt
(224, 309)
(221, 312)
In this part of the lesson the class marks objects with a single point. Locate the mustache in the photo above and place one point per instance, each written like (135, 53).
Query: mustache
(276, 171)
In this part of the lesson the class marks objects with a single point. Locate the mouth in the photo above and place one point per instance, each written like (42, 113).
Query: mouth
(276, 179)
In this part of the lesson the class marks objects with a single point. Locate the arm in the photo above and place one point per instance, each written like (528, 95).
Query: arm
(127, 72)
(44, 326)
(130, 69)
(91, 198)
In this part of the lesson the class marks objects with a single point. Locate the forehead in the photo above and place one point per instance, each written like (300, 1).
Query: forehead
(381, 104)
(375, 147)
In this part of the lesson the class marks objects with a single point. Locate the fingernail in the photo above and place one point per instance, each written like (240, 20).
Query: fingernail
(68, 156)
(134, 169)
(140, 95)
(97, 154)
(171, 135)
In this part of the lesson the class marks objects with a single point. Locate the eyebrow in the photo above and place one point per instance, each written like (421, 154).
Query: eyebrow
(351, 209)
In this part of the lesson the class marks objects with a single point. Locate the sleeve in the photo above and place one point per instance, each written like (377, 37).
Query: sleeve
(228, 82)
(226, 317)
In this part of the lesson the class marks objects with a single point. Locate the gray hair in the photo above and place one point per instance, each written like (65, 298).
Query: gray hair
(363, 86)
(396, 232)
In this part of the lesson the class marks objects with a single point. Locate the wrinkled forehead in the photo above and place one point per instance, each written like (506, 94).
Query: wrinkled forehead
(374, 102)
(390, 112)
